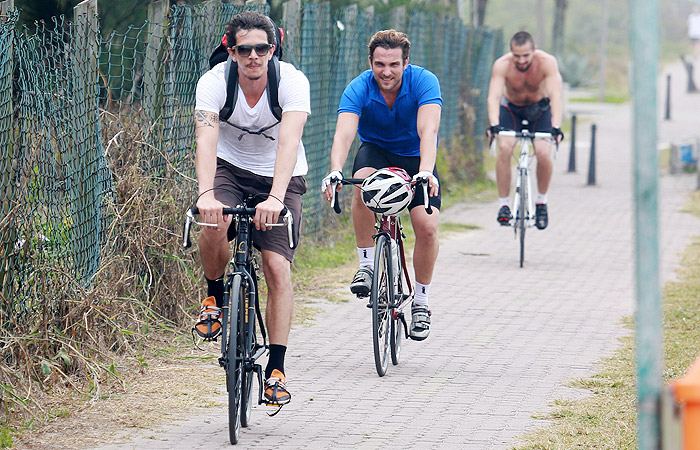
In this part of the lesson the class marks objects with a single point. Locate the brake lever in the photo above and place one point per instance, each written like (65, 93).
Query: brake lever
(186, 241)
(334, 200)
(426, 199)
(289, 220)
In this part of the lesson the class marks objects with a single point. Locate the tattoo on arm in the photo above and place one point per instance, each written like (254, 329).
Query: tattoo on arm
(205, 119)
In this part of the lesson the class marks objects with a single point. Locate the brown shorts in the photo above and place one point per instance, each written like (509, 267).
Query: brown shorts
(232, 184)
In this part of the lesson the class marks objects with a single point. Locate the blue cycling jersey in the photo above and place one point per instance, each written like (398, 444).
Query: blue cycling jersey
(391, 129)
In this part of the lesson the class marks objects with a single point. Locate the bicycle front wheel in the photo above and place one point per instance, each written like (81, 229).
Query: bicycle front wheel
(522, 211)
(381, 293)
(249, 349)
(234, 374)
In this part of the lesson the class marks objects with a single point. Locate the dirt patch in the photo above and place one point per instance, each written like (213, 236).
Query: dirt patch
(169, 387)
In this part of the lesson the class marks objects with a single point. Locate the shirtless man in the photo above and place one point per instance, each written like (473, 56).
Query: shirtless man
(525, 84)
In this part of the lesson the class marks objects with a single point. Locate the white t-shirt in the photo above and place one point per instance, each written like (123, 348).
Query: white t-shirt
(694, 26)
(253, 152)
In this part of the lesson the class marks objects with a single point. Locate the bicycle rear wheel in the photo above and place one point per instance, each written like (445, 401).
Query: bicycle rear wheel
(523, 213)
(381, 293)
(234, 373)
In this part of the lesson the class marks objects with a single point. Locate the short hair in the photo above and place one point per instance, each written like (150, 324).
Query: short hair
(389, 39)
(522, 38)
(249, 20)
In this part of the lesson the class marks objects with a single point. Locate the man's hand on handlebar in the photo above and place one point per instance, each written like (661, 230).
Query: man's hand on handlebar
(492, 132)
(557, 135)
(210, 211)
(333, 178)
(433, 184)
(267, 212)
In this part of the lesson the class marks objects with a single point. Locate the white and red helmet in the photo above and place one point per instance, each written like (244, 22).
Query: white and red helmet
(387, 191)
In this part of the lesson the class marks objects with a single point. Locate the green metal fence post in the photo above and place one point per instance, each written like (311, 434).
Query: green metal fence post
(152, 63)
(8, 232)
(86, 151)
(645, 51)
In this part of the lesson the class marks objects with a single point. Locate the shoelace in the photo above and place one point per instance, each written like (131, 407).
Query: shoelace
(275, 381)
(210, 312)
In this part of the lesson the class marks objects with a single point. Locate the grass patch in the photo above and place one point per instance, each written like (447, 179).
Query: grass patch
(606, 419)
(616, 99)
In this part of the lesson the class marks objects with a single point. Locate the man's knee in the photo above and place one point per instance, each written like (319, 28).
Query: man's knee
(277, 268)
(211, 238)
(425, 229)
(543, 150)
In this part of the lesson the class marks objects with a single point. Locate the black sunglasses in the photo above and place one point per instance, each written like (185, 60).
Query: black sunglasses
(260, 49)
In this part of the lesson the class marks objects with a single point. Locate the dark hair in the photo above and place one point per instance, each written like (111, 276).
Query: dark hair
(389, 39)
(522, 38)
(249, 20)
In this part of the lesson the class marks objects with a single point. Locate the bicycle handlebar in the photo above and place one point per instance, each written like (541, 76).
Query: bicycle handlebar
(525, 134)
(287, 220)
(336, 205)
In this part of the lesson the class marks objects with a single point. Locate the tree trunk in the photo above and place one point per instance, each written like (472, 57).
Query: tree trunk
(540, 33)
(478, 12)
(558, 29)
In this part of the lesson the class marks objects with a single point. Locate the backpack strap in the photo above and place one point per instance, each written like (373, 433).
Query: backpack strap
(231, 76)
(273, 84)
(273, 81)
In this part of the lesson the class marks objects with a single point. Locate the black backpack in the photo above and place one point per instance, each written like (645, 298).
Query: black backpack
(273, 78)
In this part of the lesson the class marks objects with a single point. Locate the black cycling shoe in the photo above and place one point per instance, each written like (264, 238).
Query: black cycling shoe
(504, 216)
(541, 217)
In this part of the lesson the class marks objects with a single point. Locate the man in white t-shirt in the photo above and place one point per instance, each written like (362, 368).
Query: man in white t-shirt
(694, 30)
(251, 154)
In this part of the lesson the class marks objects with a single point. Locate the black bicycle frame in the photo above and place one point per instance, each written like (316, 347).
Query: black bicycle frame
(242, 262)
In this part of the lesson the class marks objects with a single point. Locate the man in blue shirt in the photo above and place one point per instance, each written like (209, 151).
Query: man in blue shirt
(395, 109)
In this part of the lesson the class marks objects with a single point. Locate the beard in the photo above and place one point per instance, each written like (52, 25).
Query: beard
(523, 69)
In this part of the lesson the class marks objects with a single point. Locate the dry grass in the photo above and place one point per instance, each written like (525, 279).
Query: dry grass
(78, 344)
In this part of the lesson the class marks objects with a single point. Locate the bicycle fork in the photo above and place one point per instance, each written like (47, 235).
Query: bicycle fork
(523, 186)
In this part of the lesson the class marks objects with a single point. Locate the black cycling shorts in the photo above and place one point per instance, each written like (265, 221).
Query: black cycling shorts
(371, 155)
(232, 184)
(539, 116)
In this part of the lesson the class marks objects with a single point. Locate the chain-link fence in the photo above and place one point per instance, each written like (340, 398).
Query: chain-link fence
(68, 93)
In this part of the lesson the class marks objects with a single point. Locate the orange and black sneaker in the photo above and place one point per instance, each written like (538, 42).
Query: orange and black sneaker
(276, 393)
(209, 325)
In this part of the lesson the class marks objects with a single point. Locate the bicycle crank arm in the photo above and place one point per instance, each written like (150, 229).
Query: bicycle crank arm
(402, 318)
(257, 368)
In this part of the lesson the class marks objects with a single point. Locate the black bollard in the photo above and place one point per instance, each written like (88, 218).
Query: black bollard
(667, 115)
(691, 82)
(572, 151)
(689, 69)
(591, 161)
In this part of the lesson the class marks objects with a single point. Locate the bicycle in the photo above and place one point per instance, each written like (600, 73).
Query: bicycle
(240, 347)
(524, 216)
(391, 289)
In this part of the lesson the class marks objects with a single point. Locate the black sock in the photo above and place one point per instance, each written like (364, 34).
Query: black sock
(276, 359)
(215, 288)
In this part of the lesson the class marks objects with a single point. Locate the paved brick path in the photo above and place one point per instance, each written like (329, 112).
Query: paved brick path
(505, 340)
